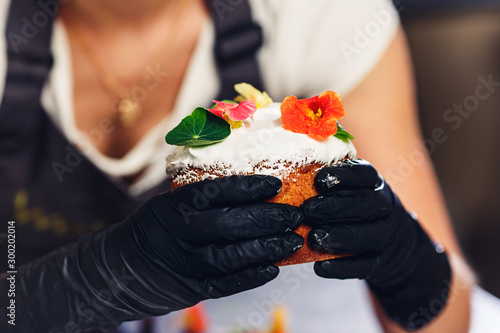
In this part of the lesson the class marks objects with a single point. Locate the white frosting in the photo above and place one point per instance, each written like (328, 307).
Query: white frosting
(261, 145)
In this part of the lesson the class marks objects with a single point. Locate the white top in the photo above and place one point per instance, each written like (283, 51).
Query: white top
(309, 47)
(262, 145)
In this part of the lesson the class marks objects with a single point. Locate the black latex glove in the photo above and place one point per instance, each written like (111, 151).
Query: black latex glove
(356, 212)
(205, 240)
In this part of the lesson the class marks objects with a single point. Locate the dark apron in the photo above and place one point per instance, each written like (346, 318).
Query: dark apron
(49, 188)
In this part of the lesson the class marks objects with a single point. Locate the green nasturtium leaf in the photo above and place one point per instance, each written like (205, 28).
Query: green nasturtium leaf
(342, 134)
(200, 128)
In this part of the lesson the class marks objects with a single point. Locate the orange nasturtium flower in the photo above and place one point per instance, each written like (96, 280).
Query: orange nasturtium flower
(316, 116)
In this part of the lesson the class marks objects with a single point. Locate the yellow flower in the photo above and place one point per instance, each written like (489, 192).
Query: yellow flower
(247, 91)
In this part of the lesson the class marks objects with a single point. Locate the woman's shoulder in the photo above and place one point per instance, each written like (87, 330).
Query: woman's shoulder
(326, 13)
(335, 42)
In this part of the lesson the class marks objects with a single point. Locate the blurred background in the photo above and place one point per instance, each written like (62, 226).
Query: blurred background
(455, 46)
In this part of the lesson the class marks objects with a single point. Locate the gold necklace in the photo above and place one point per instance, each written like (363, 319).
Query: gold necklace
(129, 107)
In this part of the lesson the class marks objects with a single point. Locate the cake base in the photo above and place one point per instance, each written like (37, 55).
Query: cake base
(298, 185)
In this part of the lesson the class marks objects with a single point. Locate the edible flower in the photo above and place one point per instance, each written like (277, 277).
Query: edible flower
(247, 91)
(234, 113)
(316, 116)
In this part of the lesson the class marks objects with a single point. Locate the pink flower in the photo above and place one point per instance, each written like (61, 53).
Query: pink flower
(234, 111)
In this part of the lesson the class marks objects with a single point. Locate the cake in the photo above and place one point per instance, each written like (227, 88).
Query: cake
(279, 139)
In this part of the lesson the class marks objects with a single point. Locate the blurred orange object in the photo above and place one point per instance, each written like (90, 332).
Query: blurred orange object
(279, 320)
(195, 320)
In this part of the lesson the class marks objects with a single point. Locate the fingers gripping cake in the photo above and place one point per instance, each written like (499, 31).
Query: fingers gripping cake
(291, 140)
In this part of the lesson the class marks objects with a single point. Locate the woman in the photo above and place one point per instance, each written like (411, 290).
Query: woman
(84, 148)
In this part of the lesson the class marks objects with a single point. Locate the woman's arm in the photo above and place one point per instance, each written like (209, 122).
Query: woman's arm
(383, 116)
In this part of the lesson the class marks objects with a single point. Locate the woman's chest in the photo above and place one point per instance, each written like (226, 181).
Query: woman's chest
(125, 83)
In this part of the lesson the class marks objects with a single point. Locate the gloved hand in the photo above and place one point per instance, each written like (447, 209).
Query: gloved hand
(356, 212)
(204, 240)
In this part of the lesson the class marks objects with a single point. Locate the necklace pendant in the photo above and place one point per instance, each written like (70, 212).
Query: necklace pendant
(129, 110)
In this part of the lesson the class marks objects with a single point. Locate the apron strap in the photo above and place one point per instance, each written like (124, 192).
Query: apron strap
(238, 38)
(28, 34)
